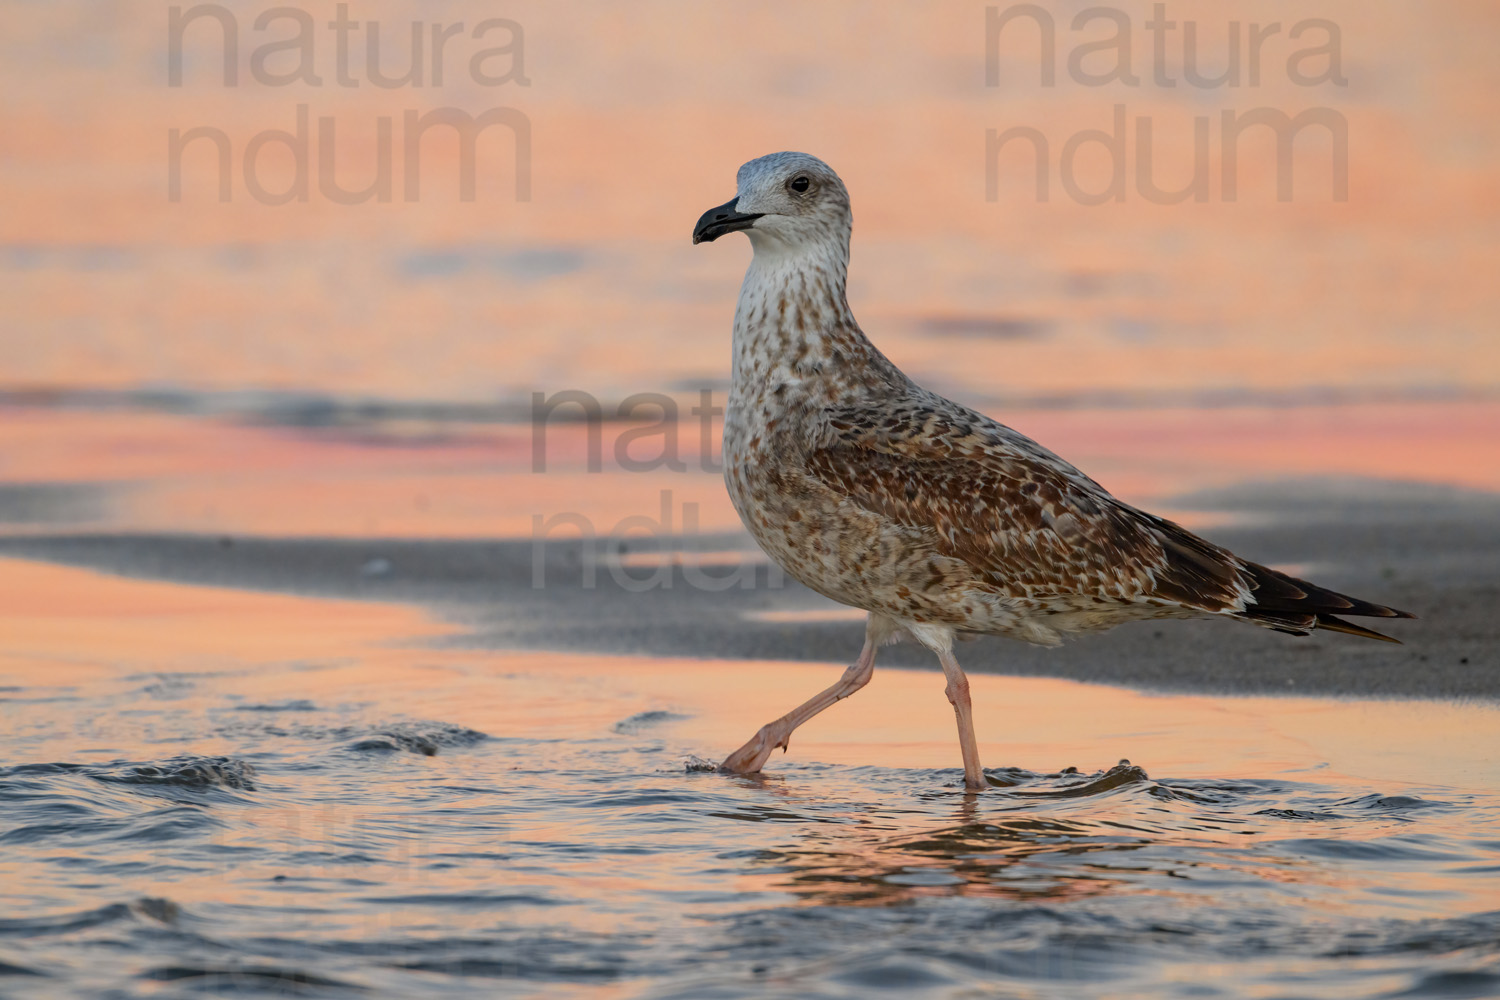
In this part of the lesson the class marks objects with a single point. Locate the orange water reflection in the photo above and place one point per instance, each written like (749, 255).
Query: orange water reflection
(80, 633)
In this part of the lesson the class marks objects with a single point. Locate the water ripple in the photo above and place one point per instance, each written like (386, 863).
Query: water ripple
(577, 866)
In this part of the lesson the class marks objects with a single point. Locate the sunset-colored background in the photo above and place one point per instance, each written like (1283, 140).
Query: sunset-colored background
(1245, 339)
(639, 117)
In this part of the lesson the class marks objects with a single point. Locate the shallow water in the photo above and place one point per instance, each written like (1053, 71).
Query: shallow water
(340, 808)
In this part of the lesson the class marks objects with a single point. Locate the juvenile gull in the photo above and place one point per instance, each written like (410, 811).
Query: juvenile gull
(934, 519)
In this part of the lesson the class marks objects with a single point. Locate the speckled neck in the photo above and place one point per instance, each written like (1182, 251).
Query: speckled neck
(793, 319)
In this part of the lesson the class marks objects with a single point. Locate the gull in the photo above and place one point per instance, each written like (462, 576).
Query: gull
(934, 519)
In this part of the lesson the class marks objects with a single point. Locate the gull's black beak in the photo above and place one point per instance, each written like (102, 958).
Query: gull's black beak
(724, 219)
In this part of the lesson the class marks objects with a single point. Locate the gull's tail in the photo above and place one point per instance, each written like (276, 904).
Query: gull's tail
(1294, 606)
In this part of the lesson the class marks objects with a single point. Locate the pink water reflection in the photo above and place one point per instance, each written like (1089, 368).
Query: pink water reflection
(178, 474)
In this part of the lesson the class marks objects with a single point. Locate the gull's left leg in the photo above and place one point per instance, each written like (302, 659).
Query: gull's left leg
(963, 709)
(751, 757)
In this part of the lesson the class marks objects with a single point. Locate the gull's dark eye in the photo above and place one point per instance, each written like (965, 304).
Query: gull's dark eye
(800, 184)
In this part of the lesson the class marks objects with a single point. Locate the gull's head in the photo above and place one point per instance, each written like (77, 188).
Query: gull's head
(786, 200)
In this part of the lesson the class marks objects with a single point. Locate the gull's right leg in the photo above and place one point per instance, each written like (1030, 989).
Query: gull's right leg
(963, 711)
(751, 757)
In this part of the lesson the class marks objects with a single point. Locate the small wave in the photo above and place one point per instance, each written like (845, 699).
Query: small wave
(645, 720)
(1070, 783)
(1216, 793)
(576, 957)
(1379, 849)
(158, 825)
(7, 969)
(155, 909)
(1438, 936)
(1300, 814)
(418, 738)
(230, 979)
(182, 772)
(169, 687)
(1474, 984)
(46, 792)
(465, 900)
(65, 923)
(279, 720)
(295, 705)
(1390, 803)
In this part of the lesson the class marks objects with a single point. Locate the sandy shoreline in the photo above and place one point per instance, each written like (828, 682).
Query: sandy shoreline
(1430, 550)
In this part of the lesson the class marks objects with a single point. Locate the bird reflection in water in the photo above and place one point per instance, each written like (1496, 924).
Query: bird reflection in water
(990, 848)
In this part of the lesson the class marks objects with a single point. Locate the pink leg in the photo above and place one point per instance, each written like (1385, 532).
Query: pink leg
(751, 757)
(958, 695)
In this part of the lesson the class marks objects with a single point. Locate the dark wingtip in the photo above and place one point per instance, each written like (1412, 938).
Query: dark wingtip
(1279, 598)
(1334, 624)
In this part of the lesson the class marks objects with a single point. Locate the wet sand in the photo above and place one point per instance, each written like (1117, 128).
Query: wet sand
(1434, 551)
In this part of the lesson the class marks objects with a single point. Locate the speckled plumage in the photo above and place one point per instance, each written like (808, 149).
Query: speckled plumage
(935, 518)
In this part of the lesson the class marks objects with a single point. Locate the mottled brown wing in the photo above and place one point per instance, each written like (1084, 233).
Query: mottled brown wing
(1032, 527)
(1035, 526)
